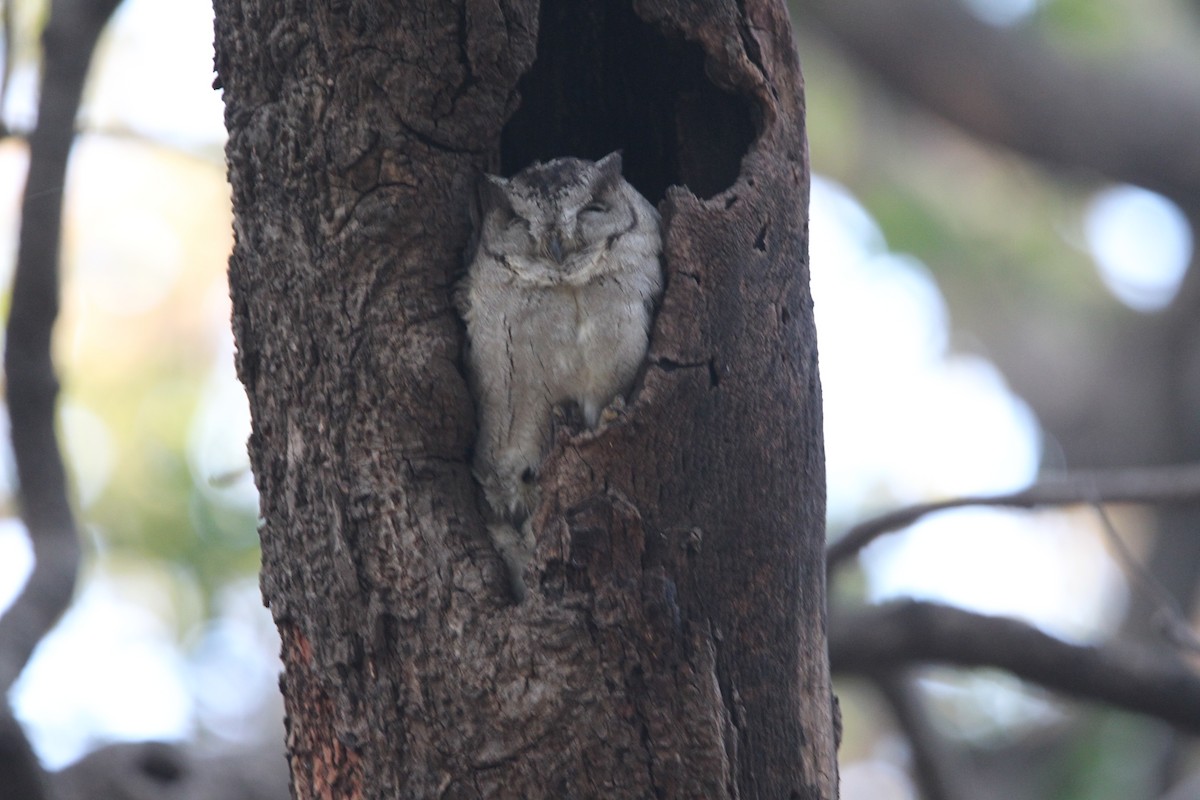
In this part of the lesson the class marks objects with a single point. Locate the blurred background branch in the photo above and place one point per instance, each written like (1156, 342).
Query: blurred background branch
(941, 772)
(1132, 121)
(30, 382)
(1048, 102)
(1153, 682)
(1155, 485)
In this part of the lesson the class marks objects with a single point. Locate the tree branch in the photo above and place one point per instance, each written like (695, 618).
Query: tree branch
(1008, 87)
(68, 40)
(166, 771)
(899, 634)
(31, 387)
(940, 772)
(1159, 485)
(20, 775)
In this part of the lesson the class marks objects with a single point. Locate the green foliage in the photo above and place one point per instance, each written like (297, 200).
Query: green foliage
(1107, 760)
(1115, 28)
(1083, 21)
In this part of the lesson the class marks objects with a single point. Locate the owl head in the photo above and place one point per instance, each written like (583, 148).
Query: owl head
(554, 222)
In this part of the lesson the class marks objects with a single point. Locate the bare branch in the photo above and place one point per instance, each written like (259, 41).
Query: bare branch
(6, 19)
(20, 774)
(1186, 789)
(1008, 87)
(174, 772)
(32, 387)
(1177, 484)
(1168, 616)
(1155, 683)
(939, 771)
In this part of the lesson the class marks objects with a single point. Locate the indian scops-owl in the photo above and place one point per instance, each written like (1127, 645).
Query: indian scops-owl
(558, 300)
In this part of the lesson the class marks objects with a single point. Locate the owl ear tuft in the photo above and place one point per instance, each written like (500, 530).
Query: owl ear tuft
(493, 194)
(609, 167)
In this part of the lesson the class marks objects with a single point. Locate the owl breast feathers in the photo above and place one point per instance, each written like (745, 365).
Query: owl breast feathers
(558, 300)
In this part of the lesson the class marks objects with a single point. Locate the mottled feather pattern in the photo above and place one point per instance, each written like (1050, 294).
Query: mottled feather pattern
(558, 300)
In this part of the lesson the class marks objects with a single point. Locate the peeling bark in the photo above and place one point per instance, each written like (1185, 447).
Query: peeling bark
(673, 641)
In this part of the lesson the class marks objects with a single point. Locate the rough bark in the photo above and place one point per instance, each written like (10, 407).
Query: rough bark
(673, 643)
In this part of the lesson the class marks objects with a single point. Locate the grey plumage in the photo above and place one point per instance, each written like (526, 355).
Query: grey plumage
(558, 300)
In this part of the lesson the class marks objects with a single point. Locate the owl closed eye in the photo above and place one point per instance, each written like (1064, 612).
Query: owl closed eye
(555, 220)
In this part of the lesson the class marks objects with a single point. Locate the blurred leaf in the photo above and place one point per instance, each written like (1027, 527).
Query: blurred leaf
(1107, 759)
(1081, 20)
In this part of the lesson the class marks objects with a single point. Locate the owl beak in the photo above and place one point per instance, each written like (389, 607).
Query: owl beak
(555, 246)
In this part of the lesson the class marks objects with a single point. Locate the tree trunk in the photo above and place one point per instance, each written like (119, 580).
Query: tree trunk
(673, 640)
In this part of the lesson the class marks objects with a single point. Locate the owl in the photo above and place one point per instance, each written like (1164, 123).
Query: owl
(558, 299)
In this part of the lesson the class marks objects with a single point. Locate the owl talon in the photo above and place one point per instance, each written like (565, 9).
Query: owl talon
(515, 545)
(568, 417)
(613, 411)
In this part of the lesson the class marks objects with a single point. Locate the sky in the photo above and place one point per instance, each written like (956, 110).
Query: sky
(907, 418)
